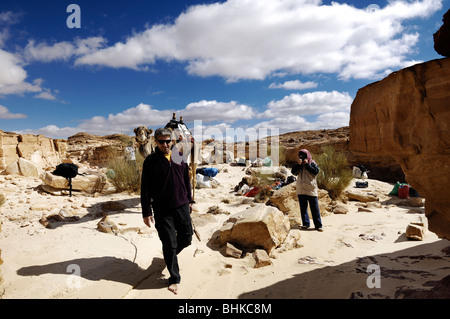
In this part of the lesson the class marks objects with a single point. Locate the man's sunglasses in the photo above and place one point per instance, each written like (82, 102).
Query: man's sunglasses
(164, 141)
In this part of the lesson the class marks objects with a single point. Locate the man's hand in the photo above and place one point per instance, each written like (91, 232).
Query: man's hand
(149, 220)
(305, 161)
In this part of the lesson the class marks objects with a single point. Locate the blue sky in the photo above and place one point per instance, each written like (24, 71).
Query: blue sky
(274, 65)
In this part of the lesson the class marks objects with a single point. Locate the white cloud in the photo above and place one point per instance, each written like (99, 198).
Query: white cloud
(52, 131)
(299, 123)
(13, 76)
(46, 95)
(44, 52)
(5, 114)
(307, 104)
(251, 39)
(210, 111)
(214, 119)
(293, 85)
(220, 114)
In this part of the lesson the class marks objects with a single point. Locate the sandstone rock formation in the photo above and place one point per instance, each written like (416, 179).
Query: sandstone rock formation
(96, 150)
(407, 116)
(42, 151)
(90, 183)
(258, 227)
(442, 37)
(286, 200)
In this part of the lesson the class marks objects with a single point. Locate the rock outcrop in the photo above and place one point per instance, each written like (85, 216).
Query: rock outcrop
(90, 183)
(286, 200)
(258, 227)
(96, 150)
(442, 37)
(407, 116)
(42, 151)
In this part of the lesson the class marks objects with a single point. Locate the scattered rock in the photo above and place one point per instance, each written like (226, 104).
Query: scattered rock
(28, 168)
(292, 241)
(256, 227)
(370, 237)
(216, 210)
(144, 230)
(232, 251)
(105, 225)
(62, 216)
(412, 202)
(40, 206)
(366, 210)
(307, 260)
(360, 196)
(286, 200)
(340, 209)
(415, 231)
(262, 258)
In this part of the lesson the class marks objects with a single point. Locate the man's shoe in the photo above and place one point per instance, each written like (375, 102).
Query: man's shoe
(319, 229)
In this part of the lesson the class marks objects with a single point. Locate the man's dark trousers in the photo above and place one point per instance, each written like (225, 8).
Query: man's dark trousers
(174, 228)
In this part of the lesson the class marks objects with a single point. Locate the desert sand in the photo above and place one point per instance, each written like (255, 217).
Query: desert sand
(75, 260)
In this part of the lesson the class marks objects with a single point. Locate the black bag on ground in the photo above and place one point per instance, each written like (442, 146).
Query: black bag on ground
(67, 170)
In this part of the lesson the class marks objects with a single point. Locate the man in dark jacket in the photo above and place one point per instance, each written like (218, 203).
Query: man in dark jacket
(167, 201)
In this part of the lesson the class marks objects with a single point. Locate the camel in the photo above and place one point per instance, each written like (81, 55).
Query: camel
(145, 142)
(184, 143)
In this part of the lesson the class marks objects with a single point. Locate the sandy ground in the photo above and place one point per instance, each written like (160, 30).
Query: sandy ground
(75, 260)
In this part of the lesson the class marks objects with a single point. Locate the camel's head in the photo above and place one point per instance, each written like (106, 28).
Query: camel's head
(142, 133)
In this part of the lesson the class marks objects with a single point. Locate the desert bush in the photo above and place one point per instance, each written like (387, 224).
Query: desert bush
(335, 174)
(125, 175)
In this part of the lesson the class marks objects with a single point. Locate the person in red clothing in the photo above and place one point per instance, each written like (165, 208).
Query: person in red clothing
(166, 201)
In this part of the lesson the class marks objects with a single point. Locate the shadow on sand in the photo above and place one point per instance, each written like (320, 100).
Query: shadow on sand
(97, 211)
(106, 268)
(418, 272)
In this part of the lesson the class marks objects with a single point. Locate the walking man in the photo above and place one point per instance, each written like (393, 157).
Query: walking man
(167, 201)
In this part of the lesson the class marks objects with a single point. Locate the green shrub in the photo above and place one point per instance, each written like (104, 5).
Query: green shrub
(335, 174)
(125, 175)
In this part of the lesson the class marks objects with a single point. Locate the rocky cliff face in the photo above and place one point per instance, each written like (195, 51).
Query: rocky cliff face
(96, 150)
(407, 116)
(442, 37)
(43, 151)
